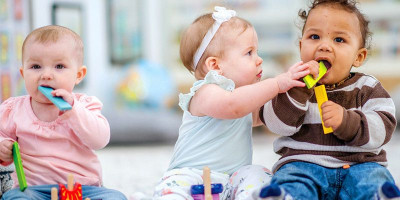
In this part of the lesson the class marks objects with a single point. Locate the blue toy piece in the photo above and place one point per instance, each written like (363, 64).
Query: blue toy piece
(58, 101)
(197, 191)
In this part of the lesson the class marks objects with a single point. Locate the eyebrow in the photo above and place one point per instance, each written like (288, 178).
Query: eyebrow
(318, 30)
(251, 47)
(341, 33)
(312, 29)
(32, 60)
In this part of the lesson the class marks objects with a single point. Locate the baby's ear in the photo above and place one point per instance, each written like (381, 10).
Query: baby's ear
(361, 56)
(80, 74)
(21, 71)
(212, 64)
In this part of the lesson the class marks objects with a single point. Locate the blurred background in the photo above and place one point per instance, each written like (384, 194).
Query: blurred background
(132, 55)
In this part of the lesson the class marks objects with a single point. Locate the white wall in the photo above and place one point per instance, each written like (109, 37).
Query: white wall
(94, 30)
(95, 38)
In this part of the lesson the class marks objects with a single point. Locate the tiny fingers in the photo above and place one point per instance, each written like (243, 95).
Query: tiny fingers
(297, 64)
(298, 83)
(315, 76)
(295, 67)
(58, 93)
(7, 154)
(298, 68)
(300, 74)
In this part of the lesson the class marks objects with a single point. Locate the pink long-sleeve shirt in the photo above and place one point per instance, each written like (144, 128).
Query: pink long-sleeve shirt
(52, 150)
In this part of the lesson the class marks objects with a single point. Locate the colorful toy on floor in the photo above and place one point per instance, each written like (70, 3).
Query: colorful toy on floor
(321, 96)
(207, 183)
(310, 81)
(71, 192)
(57, 101)
(18, 167)
(207, 191)
(197, 191)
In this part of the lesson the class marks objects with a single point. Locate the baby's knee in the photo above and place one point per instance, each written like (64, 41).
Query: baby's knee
(15, 194)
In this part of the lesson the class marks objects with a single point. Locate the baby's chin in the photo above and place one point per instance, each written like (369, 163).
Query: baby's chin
(325, 81)
(43, 101)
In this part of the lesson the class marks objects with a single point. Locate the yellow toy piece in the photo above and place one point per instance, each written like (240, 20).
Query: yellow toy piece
(321, 96)
(310, 81)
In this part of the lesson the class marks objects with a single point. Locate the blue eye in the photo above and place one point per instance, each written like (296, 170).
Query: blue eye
(339, 40)
(60, 66)
(314, 37)
(35, 67)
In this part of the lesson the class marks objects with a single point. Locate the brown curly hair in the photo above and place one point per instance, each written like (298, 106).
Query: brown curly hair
(347, 5)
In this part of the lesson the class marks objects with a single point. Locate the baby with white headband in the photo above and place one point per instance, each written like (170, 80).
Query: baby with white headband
(222, 107)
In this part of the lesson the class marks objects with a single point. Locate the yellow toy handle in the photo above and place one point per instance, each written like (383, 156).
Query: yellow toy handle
(321, 96)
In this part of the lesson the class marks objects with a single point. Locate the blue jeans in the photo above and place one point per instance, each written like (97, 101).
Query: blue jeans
(41, 192)
(303, 180)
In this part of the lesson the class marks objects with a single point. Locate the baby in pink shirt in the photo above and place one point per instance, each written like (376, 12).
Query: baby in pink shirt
(54, 143)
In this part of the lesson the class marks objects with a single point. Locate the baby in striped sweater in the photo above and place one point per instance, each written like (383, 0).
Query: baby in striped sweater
(349, 163)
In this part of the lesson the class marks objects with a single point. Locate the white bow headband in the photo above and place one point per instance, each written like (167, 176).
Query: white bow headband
(220, 16)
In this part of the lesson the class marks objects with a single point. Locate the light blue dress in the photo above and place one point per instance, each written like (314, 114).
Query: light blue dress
(224, 145)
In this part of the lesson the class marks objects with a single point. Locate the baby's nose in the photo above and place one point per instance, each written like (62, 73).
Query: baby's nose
(325, 46)
(259, 61)
(47, 74)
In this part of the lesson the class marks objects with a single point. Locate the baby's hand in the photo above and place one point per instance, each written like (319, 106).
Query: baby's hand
(65, 95)
(290, 79)
(6, 150)
(332, 114)
(313, 66)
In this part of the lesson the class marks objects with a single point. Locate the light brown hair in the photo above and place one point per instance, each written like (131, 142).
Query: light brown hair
(53, 33)
(194, 34)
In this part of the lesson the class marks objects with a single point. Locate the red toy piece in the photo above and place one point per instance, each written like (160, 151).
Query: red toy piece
(75, 194)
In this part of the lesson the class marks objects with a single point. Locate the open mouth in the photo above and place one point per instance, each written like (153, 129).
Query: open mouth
(326, 63)
(46, 86)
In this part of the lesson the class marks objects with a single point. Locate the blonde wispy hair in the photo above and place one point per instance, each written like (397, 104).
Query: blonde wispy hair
(194, 34)
(53, 33)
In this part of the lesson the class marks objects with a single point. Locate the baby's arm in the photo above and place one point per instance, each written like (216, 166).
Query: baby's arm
(87, 122)
(285, 113)
(7, 131)
(370, 126)
(211, 100)
(313, 70)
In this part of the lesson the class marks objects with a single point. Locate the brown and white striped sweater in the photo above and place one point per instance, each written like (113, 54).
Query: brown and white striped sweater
(368, 123)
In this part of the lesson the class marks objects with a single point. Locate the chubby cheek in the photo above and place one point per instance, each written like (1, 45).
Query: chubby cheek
(66, 83)
(30, 90)
(303, 56)
(69, 86)
(35, 93)
(305, 53)
(30, 86)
